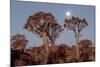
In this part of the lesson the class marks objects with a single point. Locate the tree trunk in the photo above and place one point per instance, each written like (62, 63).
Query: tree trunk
(77, 47)
(53, 46)
(46, 44)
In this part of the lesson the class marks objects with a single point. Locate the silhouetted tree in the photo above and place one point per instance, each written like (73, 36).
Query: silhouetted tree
(18, 41)
(77, 25)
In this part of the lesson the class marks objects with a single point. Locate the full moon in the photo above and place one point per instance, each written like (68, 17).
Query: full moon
(68, 13)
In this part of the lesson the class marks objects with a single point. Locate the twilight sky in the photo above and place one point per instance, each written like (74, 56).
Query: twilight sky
(21, 10)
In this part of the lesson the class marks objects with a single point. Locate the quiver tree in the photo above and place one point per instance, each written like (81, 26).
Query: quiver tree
(18, 41)
(76, 25)
(39, 24)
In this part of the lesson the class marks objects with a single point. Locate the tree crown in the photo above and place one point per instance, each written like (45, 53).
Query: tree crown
(75, 23)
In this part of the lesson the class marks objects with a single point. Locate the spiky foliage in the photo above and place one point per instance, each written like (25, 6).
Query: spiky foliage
(75, 24)
(39, 22)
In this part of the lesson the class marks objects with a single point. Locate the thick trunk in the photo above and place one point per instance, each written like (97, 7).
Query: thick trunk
(77, 47)
(46, 44)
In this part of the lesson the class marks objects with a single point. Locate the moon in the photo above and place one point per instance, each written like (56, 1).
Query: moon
(68, 13)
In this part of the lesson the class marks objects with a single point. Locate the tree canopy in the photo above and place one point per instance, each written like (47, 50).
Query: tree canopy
(18, 41)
